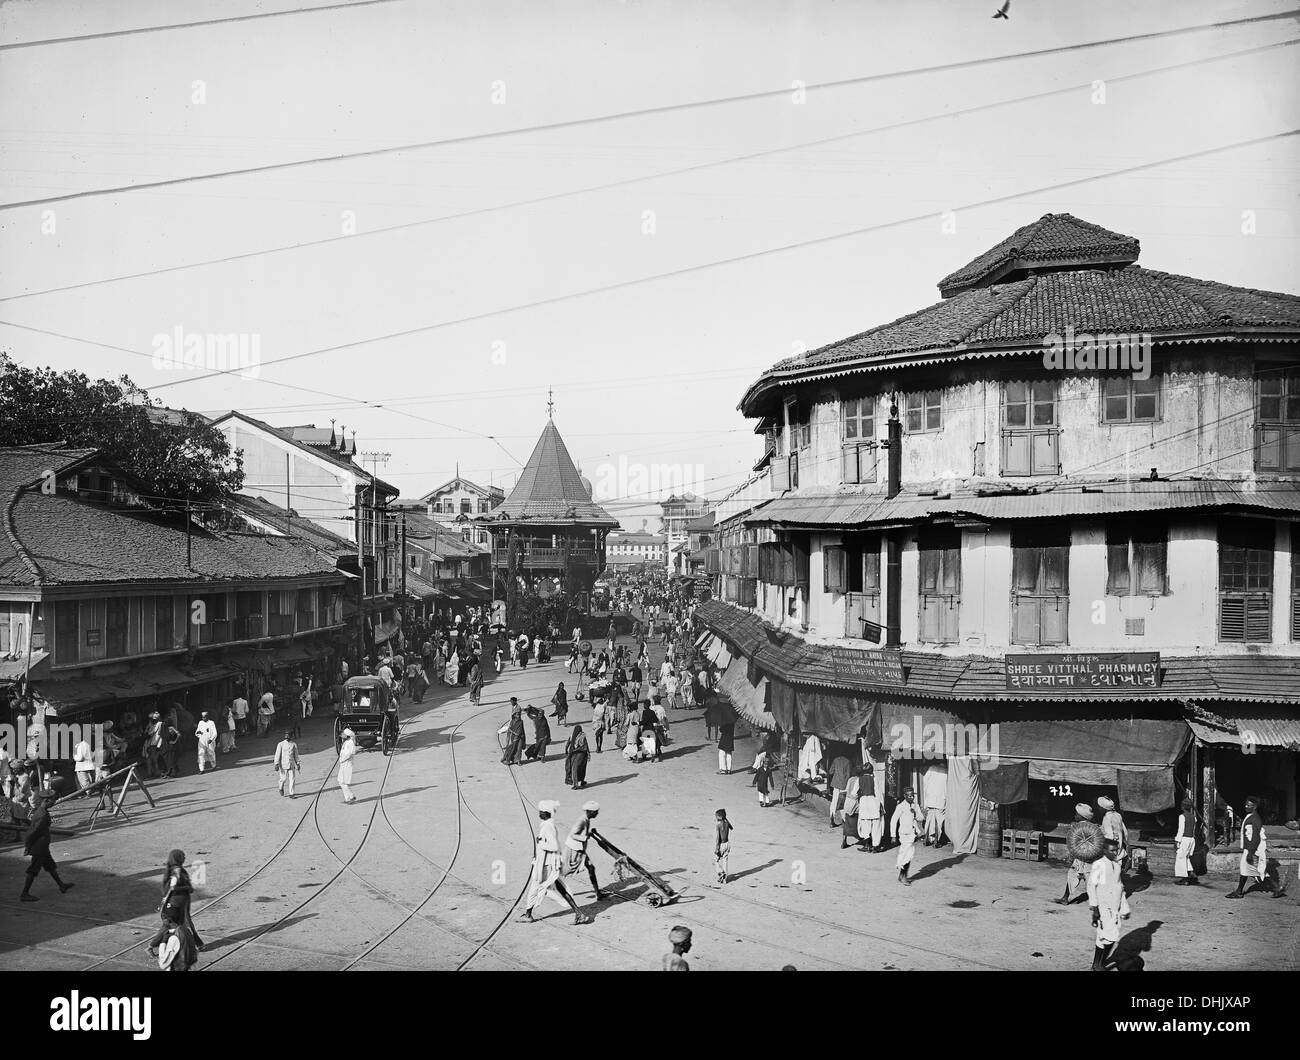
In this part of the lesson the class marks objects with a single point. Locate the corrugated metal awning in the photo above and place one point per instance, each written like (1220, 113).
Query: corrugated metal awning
(868, 506)
(1264, 729)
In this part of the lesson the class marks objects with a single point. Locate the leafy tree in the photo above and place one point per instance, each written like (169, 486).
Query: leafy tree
(176, 454)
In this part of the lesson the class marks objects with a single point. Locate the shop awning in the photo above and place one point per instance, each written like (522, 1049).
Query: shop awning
(74, 696)
(1092, 750)
(386, 631)
(1258, 729)
(718, 654)
(298, 653)
(749, 700)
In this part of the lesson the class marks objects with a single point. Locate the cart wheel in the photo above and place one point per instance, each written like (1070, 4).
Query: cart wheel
(338, 735)
(389, 737)
(655, 900)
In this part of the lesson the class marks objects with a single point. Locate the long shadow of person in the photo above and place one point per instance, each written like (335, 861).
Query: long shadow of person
(938, 866)
(1128, 952)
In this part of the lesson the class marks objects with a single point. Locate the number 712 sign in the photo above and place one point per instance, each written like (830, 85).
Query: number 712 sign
(1061, 789)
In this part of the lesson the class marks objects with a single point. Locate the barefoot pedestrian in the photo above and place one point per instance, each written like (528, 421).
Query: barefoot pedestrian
(547, 867)
(346, 754)
(906, 825)
(37, 846)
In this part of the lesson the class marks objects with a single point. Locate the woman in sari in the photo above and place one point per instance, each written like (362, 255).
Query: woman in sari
(177, 893)
(576, 755)
(226, 741)
(439, 668)
(475, 681)
(452, 674)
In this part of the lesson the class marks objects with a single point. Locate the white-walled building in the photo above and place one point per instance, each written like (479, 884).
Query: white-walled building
(1100, 558)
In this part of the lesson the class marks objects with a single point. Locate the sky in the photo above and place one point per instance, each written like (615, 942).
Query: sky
(479, 256)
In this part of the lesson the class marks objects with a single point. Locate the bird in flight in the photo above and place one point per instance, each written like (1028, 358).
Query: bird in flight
(1002, 11)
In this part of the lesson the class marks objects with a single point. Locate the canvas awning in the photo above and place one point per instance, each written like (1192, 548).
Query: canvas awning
(717, 653)
(748, 699)
(81, 694)
(1091, 750)
(386, 631)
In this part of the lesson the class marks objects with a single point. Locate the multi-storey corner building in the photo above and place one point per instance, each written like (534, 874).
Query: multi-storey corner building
(1063, 502)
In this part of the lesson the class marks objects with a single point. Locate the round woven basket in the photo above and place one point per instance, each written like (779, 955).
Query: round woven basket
(1084, 841)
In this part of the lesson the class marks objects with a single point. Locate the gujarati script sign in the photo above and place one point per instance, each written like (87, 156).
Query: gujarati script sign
(1083, 672)
(875, 667)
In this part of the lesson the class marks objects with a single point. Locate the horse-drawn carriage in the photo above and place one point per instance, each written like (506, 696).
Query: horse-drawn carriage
(369, 709)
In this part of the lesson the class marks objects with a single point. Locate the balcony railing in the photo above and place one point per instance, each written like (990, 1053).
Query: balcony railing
(545, 557)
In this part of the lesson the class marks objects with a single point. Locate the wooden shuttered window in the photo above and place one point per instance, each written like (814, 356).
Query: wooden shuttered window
(1136, 560)
(835, 569)
(939, 568)
(779, 475)
(1040, 587)
(1245, 581)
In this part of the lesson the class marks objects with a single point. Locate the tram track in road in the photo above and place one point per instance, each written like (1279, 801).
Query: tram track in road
(415, 912)
(313, 811)
(239, 885)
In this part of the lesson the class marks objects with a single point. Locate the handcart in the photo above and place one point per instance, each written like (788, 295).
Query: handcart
(659, 893)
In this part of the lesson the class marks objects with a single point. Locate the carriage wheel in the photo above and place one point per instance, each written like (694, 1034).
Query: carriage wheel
(338, 735)
(388, 736)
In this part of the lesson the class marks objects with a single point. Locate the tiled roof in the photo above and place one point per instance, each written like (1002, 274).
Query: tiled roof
(1016, 316)
(550, 489)
(1054, 239)
(868, 505)
(71, 541)
(305, 530)
(1256, 679)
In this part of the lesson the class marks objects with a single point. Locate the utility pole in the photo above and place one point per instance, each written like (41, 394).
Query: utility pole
(375, 459)
(288, 496)
(189, 537)
(403, 560)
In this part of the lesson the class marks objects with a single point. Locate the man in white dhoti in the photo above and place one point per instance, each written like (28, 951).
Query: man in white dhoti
(346, 753)
(905, 826)
(1113, 827)
(575, 847)
(934, 788)
(1254, 852)
(547, 867)
(1185, 837)
(871, 818)
(207, 737)
(1108, 903)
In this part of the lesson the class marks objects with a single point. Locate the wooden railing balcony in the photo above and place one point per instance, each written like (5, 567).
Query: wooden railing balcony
(545, 557)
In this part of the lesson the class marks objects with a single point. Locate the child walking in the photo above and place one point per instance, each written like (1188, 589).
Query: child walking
(722, 844)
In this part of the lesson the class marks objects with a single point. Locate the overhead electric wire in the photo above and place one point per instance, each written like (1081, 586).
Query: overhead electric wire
(107, 34)
(667, 108)
(643, 178)
(736, 259)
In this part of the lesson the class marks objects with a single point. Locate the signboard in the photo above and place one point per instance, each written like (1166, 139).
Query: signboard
(1083, 672)
(92, 637)
(874, 667)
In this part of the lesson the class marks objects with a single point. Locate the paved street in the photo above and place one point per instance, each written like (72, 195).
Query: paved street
(425, 871)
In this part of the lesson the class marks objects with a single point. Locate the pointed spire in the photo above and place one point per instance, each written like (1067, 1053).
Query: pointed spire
(550, 403)
(333, 440)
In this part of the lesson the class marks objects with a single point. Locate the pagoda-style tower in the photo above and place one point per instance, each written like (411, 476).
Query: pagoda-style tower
(551, 523)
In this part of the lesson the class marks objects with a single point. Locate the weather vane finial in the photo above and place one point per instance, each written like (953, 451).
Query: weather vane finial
(550, 403)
